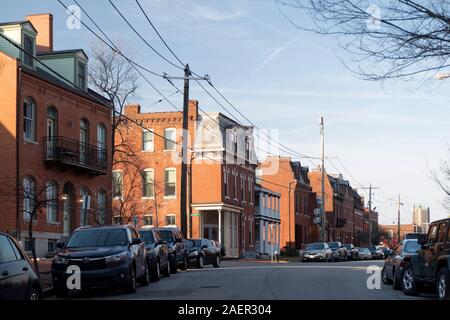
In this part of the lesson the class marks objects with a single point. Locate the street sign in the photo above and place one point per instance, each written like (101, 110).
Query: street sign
(195, 215)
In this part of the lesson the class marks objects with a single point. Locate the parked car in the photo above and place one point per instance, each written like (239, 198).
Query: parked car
(18, 279)
(352, 251)
(317, 251)
(221, 247)
(339, 251)
(202, 252)
(364, 254)
(157, 253)
(376, 252)
(107, 256)
(394, 262)
(177, 248)
(431, 265)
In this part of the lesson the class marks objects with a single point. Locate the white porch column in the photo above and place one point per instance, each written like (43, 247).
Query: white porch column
(266, 227)
(278, 240)
(220, 226)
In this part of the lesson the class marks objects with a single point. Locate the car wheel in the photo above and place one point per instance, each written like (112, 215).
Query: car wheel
(173, 265)
(130, 287)
(145, 279)
(200, 262)
(217, 263)
(156, 272)
(166, 272)
(408, 283)
(384, 276)
(34, 294)
(443, 283)
(397, 285)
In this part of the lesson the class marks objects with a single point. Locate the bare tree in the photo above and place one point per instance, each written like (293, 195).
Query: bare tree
(442, 179)
(115, 78)
(387, 38)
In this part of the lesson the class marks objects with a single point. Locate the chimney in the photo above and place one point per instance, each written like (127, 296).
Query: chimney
(132, 109)
(43, 23)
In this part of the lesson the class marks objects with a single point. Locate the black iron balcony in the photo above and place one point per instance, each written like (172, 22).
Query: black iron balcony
(69, 152)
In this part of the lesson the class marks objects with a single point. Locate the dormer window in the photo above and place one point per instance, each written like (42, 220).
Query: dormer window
(29, 48)
(81, 75)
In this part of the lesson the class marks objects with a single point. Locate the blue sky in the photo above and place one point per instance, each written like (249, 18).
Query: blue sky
(387, 134)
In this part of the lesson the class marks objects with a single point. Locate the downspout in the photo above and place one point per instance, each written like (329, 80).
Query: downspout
(18, 98)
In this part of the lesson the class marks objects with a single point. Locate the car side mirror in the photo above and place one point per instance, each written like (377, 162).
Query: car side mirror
(136, 241)
(60, 245)
(421, 239)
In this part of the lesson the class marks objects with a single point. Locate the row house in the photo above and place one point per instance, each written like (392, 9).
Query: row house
(343, 209)
(297, 200)
(223, 184)
(358, 220)
(221, 176)
(371, 226)
(55, 138)
(267, 221)
(147, 167)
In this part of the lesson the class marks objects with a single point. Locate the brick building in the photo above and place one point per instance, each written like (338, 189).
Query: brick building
(221, 176)
(55, 137)
(390, 232)
(297, 201)
(371, 226)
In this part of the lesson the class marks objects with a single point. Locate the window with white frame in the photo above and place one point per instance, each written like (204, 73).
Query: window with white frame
(170, 182)
(81, 74)
(148, 220)
(170, 139)
(101, 207)
(243, 188)
(29, 198)
(235, 185)
(225, 181)
(147, 140)
(171, 220)
(250, 189)
(148, 183)
(84, 212)
(29, 119)
(51, 191)
(101, 142)
(117, 178)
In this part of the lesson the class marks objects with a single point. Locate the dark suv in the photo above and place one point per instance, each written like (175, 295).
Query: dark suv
(109, 255)
(431, 266)
(177, 248)
(157, 253)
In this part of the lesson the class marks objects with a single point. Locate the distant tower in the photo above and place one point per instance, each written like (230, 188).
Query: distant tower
(421, 217)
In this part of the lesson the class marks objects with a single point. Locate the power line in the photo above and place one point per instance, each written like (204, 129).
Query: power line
(142, 38)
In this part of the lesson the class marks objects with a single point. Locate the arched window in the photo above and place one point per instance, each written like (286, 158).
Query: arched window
(29, 198)
(101, 142)
(101, 207)
(51, 190)
(170, 176)
(85, 200)
(29, 119)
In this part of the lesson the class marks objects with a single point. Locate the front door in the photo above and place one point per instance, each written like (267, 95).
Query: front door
(231, 234)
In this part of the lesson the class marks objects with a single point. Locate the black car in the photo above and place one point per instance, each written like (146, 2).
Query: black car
(395, 261)
(18, 279)
(106, 256)
(203, 252)
(386, 251)
(177, 248)
(157, 253)
(352, 251)
(431, 265)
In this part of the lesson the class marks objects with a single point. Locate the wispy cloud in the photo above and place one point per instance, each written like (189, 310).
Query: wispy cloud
(273, 55)
(215, 13)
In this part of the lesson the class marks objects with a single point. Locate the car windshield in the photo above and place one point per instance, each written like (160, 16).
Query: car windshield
(147, 236)
(365, 250)
(372, 248)
(315, 246)
(333, 245)
(348, 246)
(193, 243)
(411, 247)
(167, 235)
(97, 238)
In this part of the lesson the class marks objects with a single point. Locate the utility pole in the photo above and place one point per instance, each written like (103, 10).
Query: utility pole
(399, 203)
(184, 148)
(370, 210)
(322, 147)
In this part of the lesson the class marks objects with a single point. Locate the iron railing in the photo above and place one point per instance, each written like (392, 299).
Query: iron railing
(76, 153)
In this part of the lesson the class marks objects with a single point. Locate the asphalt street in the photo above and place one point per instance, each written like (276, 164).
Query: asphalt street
(264, 281)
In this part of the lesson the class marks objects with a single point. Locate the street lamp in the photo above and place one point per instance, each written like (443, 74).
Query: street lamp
(442, 75)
